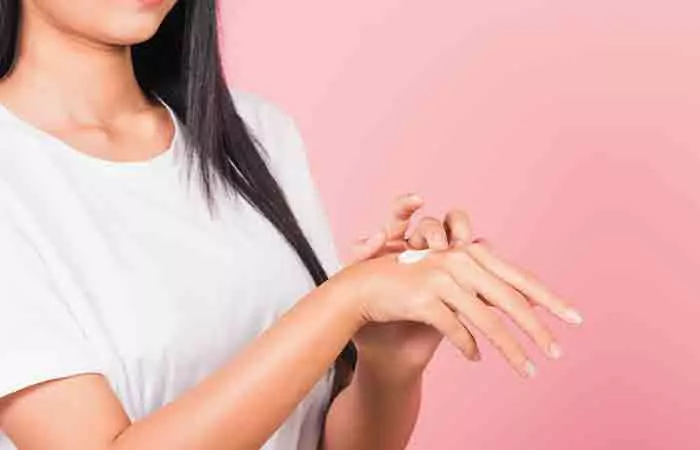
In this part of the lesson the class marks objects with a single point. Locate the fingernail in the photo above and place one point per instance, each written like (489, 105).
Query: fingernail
(529, 369)
(554, 350)
(572, 316)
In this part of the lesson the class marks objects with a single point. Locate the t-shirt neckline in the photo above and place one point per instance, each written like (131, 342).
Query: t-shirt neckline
(163, 158)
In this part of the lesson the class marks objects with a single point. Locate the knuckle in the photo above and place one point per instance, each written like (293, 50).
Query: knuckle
(438, 278)
(539, 332)
(475, 246)
(430, 222)
(459, 257)
(402, 197)
(516, 299)
(528, 276)
(418, 309)
(512, 349)
(436, 234)
(493, 326)
(419, 295)
(542, 333)
(423, 292)
(458, 214)
(429, 313)
(531, 321)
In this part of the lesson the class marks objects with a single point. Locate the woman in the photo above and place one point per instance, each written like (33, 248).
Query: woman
(164, 256)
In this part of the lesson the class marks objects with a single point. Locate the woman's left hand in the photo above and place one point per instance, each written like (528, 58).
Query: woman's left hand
(401, 349)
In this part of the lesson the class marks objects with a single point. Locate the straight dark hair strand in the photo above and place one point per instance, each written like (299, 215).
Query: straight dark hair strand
(182, 65)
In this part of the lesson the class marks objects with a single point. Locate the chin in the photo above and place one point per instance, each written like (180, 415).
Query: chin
(112, 22)
(132, 29)
(132, 36)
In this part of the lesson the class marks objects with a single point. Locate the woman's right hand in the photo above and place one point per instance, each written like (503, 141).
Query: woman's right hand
(456, 288)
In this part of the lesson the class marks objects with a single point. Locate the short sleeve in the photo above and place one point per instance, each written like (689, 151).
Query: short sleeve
(39, 338)
(286, 153)
(304, 191)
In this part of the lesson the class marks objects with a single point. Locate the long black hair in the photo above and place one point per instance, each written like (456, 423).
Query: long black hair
(181, 64)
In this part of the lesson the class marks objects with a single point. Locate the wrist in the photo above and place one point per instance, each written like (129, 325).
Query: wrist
(346, 292)
(352, 286)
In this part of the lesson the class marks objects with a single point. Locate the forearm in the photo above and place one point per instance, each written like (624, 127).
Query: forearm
(242, 404)
(374, 412)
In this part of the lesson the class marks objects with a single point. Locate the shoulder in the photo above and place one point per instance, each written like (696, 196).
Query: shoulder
(266, 118)
(256, 106)
(291, 165)
(274, 128)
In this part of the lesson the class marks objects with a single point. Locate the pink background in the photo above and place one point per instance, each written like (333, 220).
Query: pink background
(570, 130)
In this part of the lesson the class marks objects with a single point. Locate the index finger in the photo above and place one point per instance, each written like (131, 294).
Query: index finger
(402, 210)
(458, 226)
(524, 281)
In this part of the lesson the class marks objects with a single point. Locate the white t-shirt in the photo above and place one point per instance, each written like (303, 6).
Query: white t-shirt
(118, 268)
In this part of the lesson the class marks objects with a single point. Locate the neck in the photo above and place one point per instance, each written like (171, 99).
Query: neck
(71, 75)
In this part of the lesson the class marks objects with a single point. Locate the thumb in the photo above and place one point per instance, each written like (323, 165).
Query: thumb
(367, 247)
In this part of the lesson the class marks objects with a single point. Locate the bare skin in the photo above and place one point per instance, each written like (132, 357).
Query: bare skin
(74, 79)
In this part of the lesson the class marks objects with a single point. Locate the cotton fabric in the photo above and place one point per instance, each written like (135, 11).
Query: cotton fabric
(117, 268)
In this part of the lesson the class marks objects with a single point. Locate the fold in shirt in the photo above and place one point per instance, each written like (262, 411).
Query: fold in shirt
(117, 268)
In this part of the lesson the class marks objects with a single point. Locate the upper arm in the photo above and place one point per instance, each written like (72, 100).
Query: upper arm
(52, 393)
(75, 412)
